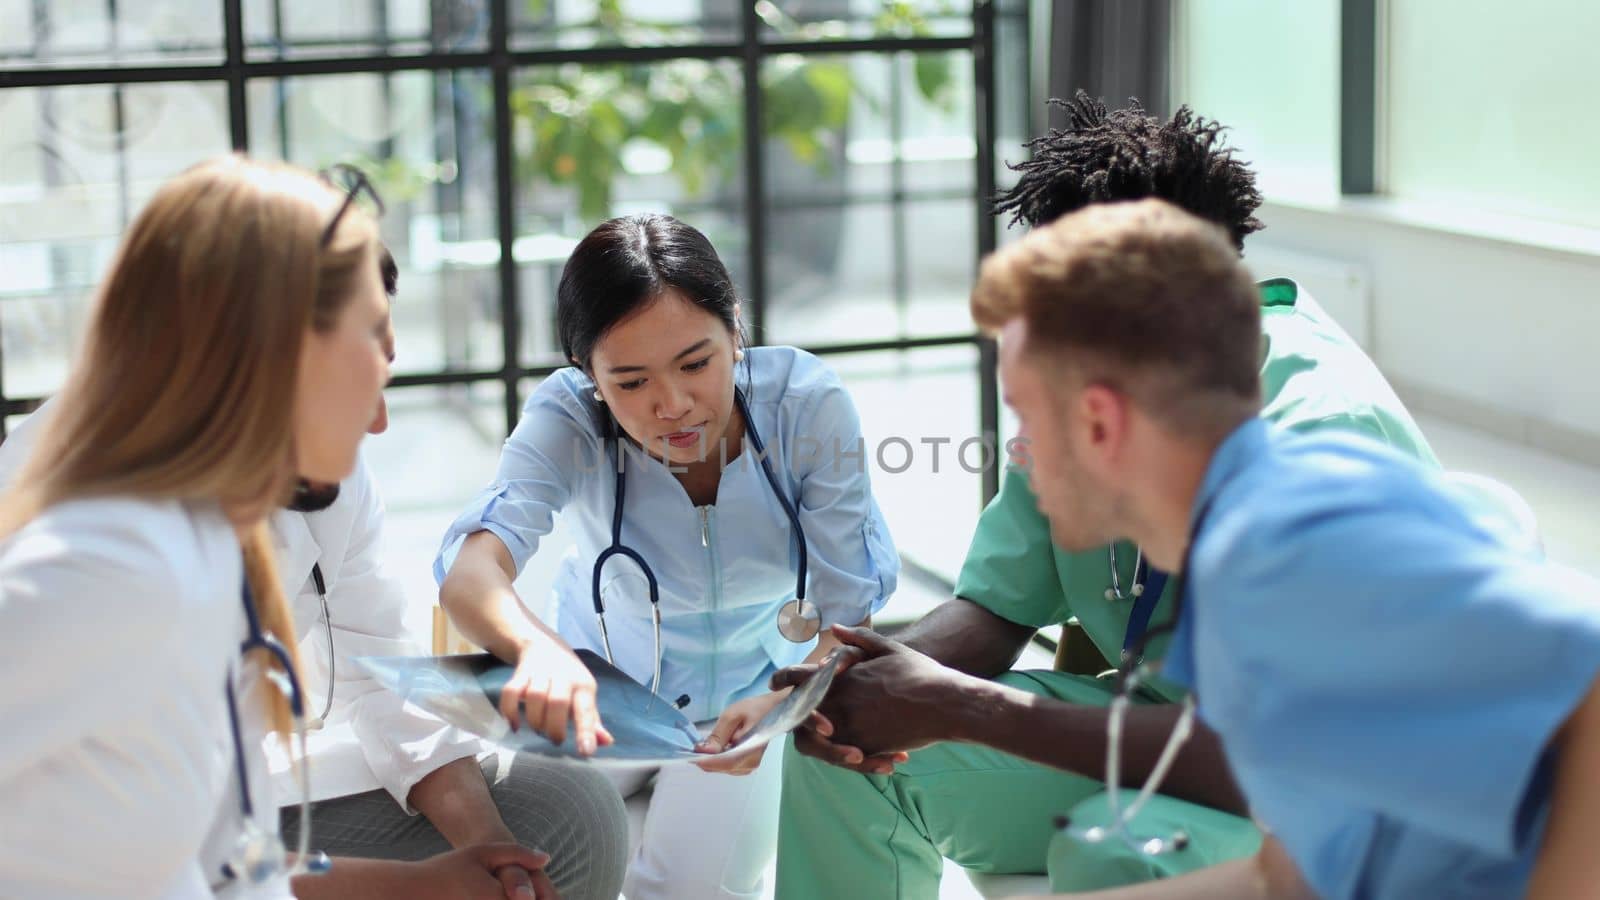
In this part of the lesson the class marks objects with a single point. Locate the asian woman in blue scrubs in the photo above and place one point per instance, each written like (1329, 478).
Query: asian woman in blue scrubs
(724, 450)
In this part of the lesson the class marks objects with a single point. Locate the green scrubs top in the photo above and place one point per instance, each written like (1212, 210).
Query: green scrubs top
(1313, 376)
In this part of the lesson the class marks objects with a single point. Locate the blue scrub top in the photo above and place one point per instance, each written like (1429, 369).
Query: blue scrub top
(1385, 671)
(723, 570)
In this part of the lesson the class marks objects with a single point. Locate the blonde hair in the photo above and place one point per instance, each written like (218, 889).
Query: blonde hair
(1142, 296)
(184, 388)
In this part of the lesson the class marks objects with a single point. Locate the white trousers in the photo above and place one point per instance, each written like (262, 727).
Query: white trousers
(707, 835)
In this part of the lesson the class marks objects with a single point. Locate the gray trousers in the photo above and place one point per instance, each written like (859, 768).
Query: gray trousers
(569, 811)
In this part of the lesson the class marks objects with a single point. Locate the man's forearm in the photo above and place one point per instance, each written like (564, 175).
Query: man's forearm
(964, 636)
(456, 799)
(1072, 736)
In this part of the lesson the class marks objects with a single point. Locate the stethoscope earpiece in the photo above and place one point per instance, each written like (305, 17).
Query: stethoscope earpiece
(1115, 591)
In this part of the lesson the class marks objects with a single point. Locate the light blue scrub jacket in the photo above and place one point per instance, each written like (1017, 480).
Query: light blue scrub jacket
(723, 570)
(1385, 672)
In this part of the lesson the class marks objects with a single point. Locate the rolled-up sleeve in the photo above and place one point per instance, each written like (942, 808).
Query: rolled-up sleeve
(554, 443)
(853, 566)
(400, 743)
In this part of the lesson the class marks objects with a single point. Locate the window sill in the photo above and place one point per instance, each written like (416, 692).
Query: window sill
(1524, 233)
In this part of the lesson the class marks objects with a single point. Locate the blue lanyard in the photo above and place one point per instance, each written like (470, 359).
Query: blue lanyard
(1144, 606)
(1155, 581)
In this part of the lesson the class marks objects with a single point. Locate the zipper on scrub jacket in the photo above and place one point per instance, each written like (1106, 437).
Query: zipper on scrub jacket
(714, 581)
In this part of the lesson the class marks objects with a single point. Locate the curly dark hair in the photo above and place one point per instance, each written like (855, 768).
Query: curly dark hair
(1128, 155)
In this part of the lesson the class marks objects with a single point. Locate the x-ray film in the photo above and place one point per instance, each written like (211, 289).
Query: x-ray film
(649, 731)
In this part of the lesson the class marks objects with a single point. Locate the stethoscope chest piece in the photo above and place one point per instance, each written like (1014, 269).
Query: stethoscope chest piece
(799, 621)
(258, 855)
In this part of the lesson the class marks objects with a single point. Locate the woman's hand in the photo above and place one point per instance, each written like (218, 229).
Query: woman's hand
(479, 872)
(550, 687)
(734, 723)
(489, 871)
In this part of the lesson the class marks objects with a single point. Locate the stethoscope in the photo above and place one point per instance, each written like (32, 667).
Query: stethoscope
(259, 854)
(1145, 592)
(327, 627)
(798, 621)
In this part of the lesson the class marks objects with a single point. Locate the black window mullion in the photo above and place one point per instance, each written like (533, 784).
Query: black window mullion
(19, 406)
(873, 45)
(755, 189)
(233, 65)
(983, 105)
(1358, 96)
(505, 212)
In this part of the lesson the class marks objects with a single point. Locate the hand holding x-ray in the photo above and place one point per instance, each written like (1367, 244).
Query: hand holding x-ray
(646, 730)
(886, 699)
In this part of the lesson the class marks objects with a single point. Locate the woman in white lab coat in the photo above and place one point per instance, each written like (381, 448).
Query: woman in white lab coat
(236, 344)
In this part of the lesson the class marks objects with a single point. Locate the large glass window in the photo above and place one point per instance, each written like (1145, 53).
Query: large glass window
(597, 141)
(925, 457)
(638, 23)
(813, 20)
(1466, 116)
(836, 152)
(421, 137)
(290, 29)
(1269, 71)
(98, 33)
(439, 452)
(1477, 118)
(871, 182)
(75, 164)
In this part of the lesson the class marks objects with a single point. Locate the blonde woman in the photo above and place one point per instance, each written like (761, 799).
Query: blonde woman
(236, 345)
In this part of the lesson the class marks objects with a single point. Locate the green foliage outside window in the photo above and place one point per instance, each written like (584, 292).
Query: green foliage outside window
(574, 124)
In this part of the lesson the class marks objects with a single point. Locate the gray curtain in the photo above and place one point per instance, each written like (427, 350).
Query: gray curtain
(1114, 49)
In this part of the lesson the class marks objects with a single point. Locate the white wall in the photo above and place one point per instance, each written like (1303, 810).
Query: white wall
(1492, 331)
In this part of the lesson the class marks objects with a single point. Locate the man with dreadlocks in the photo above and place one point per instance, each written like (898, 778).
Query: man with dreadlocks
(1007, 773)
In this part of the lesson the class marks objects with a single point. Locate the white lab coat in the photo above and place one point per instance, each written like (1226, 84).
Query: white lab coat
(372, 739)
(120, 626)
